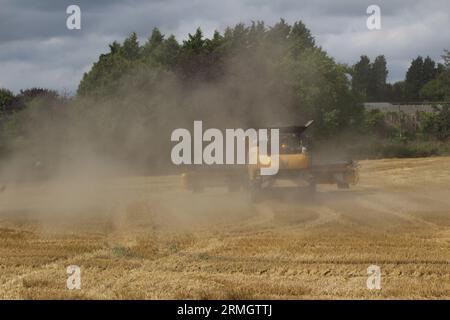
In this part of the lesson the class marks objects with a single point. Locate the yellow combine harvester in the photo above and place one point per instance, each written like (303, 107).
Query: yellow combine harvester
(295, 164)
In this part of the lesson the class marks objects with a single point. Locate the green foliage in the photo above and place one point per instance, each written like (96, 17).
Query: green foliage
(301, 37)
(125, 64)
(429, 70)
(418, 75)
(413, 81)
(361, 76)
(444, 75)
(32, 121)
(195, 43)
(130, 49)
(424, 81)
(369, 79)
(11, 104)
(375, 121)
(156, 39)
(436, 124)
(103, 78)
(442, 123)
(396, 92)
(6, 101)
(377, 84)
(28, 95)
(433, 90)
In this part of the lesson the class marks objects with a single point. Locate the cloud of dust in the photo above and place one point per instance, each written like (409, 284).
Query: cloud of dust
(70, 151)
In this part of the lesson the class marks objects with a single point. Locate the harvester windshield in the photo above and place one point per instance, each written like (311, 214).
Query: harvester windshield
(292, 139)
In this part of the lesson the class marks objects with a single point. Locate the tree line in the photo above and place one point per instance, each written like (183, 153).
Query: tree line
(253, 75)
(425, 81)
(257, 73)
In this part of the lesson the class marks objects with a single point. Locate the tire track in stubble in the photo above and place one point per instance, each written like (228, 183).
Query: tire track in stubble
(397, 207)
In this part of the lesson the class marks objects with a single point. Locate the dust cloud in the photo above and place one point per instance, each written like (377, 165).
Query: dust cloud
(70, 153)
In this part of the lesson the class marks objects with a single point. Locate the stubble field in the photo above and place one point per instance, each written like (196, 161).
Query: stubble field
(146, 237)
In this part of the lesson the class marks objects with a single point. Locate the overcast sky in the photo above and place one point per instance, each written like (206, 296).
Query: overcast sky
(36, 48)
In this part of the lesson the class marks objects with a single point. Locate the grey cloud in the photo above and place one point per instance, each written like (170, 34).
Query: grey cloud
(36, 49)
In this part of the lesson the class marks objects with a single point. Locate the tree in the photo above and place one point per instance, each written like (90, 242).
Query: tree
(28, 95)
(195, 43)
(103, 78)
(413, 80)
(429, 70)
(114, 47)
(361, 76)
(279, 33)
(6, 101)
(377, 83)
(130, 49)
(301, 36)
(444, 76)
(420, 72)
(257, 30)
(436, 79)
(160, 51)
(168, 52)
(396, 92)
(369, 79)
(155, 40)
